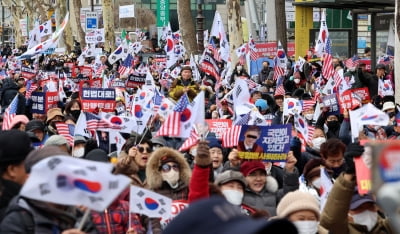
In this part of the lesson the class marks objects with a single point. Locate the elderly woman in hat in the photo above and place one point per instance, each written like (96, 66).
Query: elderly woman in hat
(184, 84)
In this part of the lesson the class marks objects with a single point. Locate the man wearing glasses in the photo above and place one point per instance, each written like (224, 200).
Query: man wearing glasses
(249, 144)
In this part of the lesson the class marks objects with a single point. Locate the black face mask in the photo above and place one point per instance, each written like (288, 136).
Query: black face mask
(333, 125)
(75, 114)
(336, 171)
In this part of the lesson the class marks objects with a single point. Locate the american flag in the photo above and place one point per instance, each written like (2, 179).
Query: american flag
(67, 131)
(278, 70)
(230, 138)
(327, 67)
(9, 113)
(252, 48)
(351, 62)
(212, 48)
(308, 104)
(127, 64)
(157, 100)
(94, 122)
(190, 141)
(244, 119)
(251, 83)
(99, 70)
(172, 125)
(31, 87)
(310, 131)
(337, 79)
(280, 90)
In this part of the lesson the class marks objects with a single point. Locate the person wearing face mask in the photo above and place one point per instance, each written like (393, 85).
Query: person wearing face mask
(302, 209)
(168, 174)
(348, 212)
(54, 116)
(73, 108)
(313, 147)
(330, 123)
(239, 71)
(310, 180)
(79, 146)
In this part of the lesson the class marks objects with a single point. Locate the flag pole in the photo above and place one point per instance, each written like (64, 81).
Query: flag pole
(84, 218)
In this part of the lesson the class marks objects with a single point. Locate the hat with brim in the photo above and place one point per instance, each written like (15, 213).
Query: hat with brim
(357, 200)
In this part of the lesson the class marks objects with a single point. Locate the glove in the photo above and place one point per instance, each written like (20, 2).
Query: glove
(203, 158)
(353, 150)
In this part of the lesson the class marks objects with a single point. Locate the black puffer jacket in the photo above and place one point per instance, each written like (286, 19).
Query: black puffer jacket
(31, 217)
(8, 92)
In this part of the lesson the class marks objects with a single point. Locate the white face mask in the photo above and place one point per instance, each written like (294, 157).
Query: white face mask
(317, 183)
(171, 178)
(239, 68)
(233, 196)
(317, 142)
(297, 81)
(306, 227)
(367, 218)
(309, 116)
(78, 152)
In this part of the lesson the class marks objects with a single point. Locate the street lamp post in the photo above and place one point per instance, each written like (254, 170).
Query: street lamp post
(200, 26)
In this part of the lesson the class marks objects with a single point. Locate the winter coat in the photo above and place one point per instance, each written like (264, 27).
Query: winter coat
(8, 92)
(177, 86)
(334, 217)
(268, 198)
(28, 216)
(8, 190)
(130, 170)
(155, 181)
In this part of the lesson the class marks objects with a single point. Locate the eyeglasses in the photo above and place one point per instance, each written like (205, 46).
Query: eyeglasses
(168, 167)
(252, 136)
(142, 149)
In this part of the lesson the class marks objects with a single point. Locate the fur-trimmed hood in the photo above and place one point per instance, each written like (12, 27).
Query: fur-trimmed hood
(272, 184)
(153, 174)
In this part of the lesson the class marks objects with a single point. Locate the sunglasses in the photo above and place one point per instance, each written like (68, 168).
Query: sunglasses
(168, 167)
(142, 149)
(252, 136)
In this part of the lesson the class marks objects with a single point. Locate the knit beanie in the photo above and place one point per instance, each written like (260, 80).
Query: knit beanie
(297, 201)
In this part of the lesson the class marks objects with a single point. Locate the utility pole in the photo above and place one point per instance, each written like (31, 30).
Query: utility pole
(200, 26)
(2, 23)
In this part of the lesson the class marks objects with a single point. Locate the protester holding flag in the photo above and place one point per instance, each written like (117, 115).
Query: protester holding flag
(26, 215)
(134, 158)
(346, 211)
(168, 174)
(262, 191)
(310, 180)
(184, 84)
(313, 147)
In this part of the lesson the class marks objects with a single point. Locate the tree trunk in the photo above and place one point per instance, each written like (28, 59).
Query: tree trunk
(281, 23)
(397, 50)
(186, 27)
(108, 19)
(235, 33)
(75, 19)
(16, 14)
(67, 41)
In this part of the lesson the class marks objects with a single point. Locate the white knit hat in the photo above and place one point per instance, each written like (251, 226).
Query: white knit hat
(297, 201)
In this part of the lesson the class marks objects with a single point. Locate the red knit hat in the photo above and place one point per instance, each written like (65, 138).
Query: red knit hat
(250, 166)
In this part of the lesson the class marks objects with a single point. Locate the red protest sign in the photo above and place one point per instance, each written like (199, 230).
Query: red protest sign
(219, 126)
(349, 100)
(363, 93)
(51, 100)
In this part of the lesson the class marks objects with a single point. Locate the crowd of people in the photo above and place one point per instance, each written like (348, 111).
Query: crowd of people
(222, 192)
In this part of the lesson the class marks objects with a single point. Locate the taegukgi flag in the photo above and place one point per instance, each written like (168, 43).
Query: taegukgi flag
(71, 181)
(149, 203)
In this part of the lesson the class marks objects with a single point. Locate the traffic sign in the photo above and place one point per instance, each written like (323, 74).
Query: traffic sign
(91, 20)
